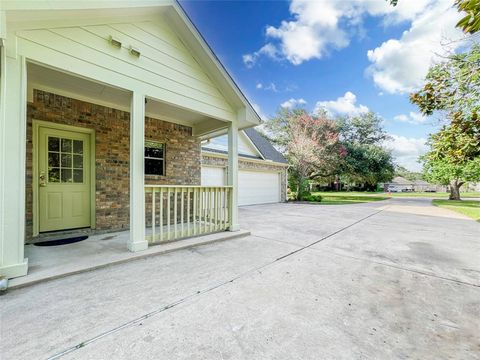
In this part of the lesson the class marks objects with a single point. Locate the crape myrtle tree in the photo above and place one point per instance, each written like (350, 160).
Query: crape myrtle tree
(367, 161)
(310, 143)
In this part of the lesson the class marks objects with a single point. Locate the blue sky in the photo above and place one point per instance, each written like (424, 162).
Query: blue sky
(344, 56)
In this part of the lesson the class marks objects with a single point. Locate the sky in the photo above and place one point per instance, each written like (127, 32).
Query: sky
(344, 56)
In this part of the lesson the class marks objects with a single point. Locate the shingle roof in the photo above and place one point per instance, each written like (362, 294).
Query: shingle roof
(264, 146)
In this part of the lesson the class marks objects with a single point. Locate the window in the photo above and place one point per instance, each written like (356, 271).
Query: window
(154, 158)
(65, 160)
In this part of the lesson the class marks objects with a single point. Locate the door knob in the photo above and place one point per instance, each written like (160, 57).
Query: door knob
(43, 181)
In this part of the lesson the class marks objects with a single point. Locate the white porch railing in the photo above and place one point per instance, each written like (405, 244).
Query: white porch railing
(174, 212)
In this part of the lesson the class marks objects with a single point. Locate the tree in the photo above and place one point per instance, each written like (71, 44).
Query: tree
(367, 164)
(454, 155)
(407, 174)
(309, 142)
(470, 23)
(366, 161)
(452, 86)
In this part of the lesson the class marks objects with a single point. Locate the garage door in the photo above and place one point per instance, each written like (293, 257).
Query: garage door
(213, 176)
(254, 187)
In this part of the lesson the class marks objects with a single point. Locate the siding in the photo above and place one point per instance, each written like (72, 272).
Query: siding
(165, 63)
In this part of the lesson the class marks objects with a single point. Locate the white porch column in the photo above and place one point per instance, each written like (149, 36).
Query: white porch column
(233, 173)
(137, 241)
(13, 85)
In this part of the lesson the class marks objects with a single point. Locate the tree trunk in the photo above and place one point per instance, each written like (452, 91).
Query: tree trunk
(300, 189)
(455, 190)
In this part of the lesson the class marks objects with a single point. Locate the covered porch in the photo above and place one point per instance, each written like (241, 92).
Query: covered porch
(53, 88)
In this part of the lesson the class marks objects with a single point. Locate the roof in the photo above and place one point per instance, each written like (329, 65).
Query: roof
(261, 144)
(401, 181)
(264, 146)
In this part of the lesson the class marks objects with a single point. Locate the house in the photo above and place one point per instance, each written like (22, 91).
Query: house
(400, 184)
(104, 106)
(262, 174)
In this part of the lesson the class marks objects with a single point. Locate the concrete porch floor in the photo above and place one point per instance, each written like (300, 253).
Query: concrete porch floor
(51, 262)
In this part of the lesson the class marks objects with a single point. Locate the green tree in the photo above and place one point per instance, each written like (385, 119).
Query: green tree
(366, 161)
(454, 155)
(407, 174)
(452, 86)
(309, 142)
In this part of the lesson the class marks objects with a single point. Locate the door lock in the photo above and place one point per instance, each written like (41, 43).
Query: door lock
(43, 180)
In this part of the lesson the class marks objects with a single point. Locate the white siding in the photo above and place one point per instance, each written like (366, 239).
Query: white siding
(165, 63)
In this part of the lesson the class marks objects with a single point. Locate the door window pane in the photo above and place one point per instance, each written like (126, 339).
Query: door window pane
(77, 146)
(53, 144)
(54, 175)
(77, 176)
(66, 145)
(78, 161)
(66, 160)
(53, 159)
(66, 175)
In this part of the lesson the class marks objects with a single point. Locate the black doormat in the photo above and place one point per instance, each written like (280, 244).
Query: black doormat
(61, 241)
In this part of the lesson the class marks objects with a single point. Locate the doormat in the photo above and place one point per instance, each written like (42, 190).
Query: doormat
(61, 241)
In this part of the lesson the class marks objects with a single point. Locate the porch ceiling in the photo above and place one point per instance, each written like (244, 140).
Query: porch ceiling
(48, 79)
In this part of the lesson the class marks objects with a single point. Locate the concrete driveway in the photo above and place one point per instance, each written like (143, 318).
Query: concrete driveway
(398, 279)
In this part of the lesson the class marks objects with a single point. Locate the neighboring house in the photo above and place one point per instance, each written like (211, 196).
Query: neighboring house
(104, 105)
(400, 184)
(262, 175)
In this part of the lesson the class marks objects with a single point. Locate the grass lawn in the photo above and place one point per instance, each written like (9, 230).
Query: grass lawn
(433, 195)
(339, 198)
(470, 208)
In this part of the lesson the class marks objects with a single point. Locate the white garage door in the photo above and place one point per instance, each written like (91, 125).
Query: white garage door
(254, 187)
(213, 176)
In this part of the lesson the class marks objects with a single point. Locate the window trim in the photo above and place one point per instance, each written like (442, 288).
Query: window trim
(164, 146)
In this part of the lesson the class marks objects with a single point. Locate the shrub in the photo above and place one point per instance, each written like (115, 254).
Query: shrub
(312, 198)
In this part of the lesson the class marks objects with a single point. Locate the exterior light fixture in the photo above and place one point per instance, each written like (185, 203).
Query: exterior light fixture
(134, 52)
(115, 42)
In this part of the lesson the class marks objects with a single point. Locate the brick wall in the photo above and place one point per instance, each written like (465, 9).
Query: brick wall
(112, 147)
(245, 164)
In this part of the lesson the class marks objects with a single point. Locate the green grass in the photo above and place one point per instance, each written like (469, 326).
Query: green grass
(434, 195)
(341, 198)
(470, 208)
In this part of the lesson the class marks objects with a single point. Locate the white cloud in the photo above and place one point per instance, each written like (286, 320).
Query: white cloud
(406, 151)
(268, 50)
(412, 118)
(344, 105)
(293, 103)
(318, 27)
(259, 86)
(400, 65)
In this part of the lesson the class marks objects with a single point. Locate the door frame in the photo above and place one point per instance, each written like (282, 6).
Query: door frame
(36, 125)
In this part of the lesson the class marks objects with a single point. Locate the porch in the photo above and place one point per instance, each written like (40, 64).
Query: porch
(98, 251)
